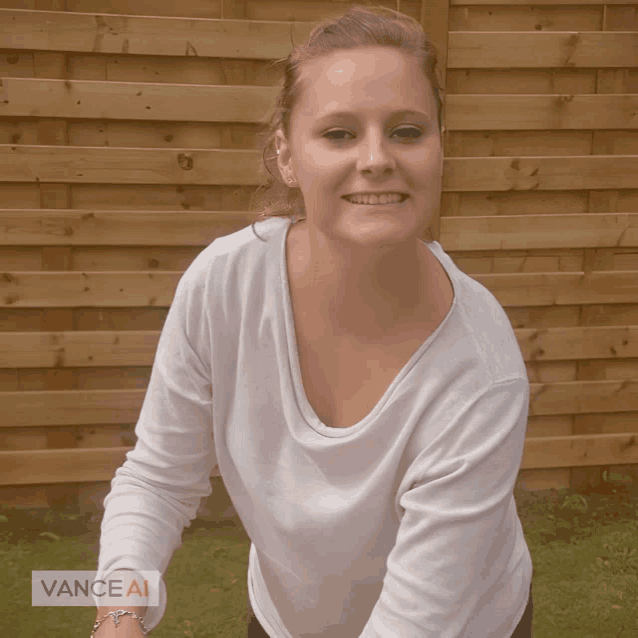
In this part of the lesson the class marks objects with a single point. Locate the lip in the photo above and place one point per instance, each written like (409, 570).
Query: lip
(404, 196)
(375, 193)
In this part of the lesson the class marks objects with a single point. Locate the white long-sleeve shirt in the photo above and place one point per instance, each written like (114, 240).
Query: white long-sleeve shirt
(403, 525)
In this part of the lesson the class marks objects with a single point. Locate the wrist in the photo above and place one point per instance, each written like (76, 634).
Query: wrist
(117, 617)
(103, 611)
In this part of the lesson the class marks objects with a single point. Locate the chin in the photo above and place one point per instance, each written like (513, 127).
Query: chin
(378, 230)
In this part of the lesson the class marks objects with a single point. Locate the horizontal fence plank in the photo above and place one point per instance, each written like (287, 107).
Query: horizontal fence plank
(534, 232)
(70, 407)
(103, 165)
(580, 451)
(79, 349)
(83, 99)
(270, 40)
(584, 397)
(64, 227)
(133, 289)
(86, 465)
(88, 290)
(99, 464)
(240, 167)
(541, 49)
(147, 35)
(98, 348)
(36, 409)
(27, 97)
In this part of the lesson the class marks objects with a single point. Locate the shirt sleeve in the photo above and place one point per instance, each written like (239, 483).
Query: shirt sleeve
(453, 541)
(158, 489)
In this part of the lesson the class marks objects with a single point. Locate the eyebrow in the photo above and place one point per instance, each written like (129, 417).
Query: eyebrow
(351, 114)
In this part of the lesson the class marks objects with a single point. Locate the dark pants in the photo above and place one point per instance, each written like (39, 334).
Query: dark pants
(523, 629)
(255, 630)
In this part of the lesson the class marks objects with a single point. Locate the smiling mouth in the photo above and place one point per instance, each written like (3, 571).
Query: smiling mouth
(403, 198)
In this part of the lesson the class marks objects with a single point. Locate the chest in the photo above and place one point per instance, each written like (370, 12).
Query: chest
(343, 381)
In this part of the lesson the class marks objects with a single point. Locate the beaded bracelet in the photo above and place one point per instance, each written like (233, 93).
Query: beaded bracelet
(116, 616)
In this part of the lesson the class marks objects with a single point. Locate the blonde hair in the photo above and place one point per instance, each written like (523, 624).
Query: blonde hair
(358, 27)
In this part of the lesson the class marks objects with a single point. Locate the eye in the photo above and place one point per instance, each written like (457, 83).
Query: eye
(410, 129)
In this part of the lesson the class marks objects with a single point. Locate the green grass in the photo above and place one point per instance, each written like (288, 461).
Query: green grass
(584, 549)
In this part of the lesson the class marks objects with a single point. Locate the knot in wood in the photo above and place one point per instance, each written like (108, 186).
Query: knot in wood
(185, 161)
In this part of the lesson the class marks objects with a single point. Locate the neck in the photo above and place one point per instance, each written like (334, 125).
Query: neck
(364, 291)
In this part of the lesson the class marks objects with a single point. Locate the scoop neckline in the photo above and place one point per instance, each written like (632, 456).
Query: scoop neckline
(294, 365)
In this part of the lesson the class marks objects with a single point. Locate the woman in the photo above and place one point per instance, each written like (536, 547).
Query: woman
(365, 400)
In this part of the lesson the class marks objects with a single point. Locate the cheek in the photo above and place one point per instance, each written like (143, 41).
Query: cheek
(324, 160)
(430, 170)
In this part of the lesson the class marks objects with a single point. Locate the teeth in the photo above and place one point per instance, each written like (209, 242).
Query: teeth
(375, 199)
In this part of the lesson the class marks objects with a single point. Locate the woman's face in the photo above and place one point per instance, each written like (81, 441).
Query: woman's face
(352, 132)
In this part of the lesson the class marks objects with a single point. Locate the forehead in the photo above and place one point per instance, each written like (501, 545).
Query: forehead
(364, 79)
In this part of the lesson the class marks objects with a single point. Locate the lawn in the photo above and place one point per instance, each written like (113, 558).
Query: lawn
(584, 549)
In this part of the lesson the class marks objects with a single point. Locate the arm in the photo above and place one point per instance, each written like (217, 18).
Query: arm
(128, 626)
(456, 536)
(157, 491)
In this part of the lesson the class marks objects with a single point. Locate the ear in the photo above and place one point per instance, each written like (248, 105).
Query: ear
(283, 152)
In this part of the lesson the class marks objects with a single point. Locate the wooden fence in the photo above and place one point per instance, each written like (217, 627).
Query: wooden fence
(128, 144)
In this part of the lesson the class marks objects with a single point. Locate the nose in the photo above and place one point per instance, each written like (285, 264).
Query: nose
(374, 154)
